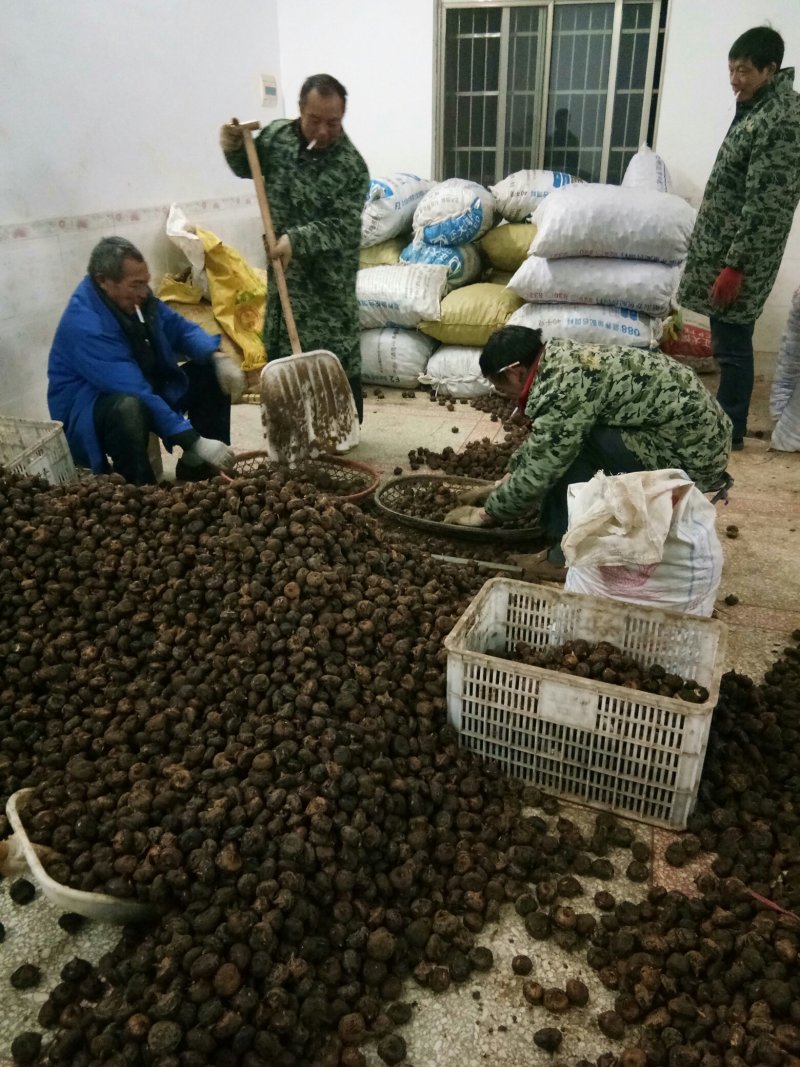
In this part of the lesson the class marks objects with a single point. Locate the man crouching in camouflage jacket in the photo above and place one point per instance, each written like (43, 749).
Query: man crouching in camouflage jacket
(592, 408)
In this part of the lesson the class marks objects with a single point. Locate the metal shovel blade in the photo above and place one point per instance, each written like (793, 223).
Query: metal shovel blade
(307, 407)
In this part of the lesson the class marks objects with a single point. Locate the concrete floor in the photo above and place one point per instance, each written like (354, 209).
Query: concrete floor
(486, 1020)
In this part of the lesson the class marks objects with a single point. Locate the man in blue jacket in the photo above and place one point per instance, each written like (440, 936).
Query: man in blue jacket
(114, 376)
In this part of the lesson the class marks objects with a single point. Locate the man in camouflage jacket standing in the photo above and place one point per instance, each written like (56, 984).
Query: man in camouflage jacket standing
(746, 214)
(316, 183)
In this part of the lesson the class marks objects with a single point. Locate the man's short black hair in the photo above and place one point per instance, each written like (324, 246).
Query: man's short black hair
(325, 85)
(509, 345)
(762, 45)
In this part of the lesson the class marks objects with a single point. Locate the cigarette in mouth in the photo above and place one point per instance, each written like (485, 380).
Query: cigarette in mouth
(139, 314)
(311, 144)
(737, 94)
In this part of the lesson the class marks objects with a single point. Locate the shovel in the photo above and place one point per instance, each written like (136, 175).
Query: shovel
(307, 405)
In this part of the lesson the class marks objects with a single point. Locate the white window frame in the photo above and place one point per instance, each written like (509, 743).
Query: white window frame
(537, 160)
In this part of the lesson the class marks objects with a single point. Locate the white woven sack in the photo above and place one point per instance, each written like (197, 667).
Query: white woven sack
(182, 234)
(585, 280)
(644, 538)
(590, 324)
(607, 220)
(784, 400)
(647, 170)
(454, 370)
(463, 262)
(786, 435)
(516, 196)
(787, 365)
(454, 212)
(404, 295)
(389, 207)
(394, 356)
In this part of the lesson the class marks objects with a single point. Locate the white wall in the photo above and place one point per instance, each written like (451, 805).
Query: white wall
(383, 54)
(697, 107)
(110, 112)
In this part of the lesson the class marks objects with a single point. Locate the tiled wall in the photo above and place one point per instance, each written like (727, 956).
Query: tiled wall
(42, 262)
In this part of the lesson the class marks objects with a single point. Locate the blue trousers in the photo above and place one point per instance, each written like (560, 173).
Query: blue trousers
(124, 425)
(732, 346)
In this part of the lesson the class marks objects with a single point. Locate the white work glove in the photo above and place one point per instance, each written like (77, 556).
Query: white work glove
(477, 495)
(230, 137)
(467, 516)
(283, 251)
(215, 453)
(230, 377)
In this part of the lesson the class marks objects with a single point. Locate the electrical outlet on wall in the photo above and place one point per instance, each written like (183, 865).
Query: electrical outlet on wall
(268, 90)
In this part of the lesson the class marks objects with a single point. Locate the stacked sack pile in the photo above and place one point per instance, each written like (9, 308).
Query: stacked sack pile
(448, 224)
(605, 263)
(394, 297)
(435, 262)
(472, 312)
(419, 245)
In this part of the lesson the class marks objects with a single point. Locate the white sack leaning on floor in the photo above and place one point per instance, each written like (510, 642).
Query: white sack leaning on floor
(645, 538)
(454, 370)
(394, 356)
(784, 400)
(616, 223)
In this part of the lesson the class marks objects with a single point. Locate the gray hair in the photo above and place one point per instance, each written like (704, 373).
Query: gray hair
(108, 257)
(325, 85)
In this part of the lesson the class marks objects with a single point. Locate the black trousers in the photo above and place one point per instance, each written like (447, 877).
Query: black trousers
(124, 424)
(358, 396)
(732, 347)
(603, 450)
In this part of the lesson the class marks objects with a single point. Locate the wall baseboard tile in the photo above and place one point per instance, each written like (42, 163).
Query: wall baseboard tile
(109, 220)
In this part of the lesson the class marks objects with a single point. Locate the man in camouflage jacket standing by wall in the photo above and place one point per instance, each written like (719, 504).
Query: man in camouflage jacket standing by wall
(746, 214)
(316, 183)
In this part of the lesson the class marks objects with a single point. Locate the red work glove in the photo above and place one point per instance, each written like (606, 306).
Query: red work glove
(726, 288)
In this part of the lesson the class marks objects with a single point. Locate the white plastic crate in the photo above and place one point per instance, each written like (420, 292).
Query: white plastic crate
(622, 750)
(36, 447)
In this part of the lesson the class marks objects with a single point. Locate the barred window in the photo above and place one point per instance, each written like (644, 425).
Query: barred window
(555, 84)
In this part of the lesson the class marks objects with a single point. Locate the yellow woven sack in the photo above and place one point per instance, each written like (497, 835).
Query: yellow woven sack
(386, 254)
(173, 291)
(506, 246)
(470, 315)
(238, 296)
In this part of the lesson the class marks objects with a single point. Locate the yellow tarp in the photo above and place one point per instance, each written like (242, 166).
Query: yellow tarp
(238, 296)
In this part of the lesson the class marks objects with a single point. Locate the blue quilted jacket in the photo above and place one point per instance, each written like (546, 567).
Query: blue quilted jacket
(91, 356)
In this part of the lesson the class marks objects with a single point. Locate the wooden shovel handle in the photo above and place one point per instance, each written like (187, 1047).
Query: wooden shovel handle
(269, 231)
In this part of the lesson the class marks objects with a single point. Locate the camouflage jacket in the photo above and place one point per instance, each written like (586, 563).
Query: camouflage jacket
(666, 416)
(317, 199)
(749, 202)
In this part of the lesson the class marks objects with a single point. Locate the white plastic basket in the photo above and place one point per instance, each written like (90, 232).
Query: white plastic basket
(99, 906)
(622, 750)
(36, 447)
